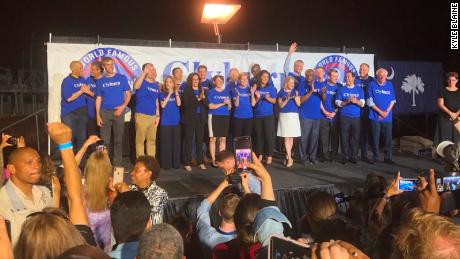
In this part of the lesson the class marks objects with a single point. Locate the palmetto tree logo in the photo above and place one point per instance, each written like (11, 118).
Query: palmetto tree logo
(413, 84)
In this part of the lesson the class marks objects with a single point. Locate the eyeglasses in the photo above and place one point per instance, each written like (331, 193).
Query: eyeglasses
(54, 213)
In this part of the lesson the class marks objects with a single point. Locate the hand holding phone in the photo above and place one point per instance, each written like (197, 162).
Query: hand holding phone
(408, 184)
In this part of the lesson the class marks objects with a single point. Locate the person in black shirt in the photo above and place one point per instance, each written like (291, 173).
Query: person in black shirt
(449, 105)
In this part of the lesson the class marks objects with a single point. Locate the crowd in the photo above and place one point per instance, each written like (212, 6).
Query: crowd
(95, 218)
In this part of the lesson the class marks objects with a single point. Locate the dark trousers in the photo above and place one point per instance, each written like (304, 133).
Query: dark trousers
(309, 139)
(386, 129)
(170, 146)
(117, 124)
(264, 130)
(193, 131)
(242, 127)
(76, 121)
(329, 136)
(349, 136)
(91, 127)
(365, 134)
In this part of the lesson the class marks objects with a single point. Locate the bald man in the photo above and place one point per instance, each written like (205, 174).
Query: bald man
(21, 195)
(74, 89)
(381, 100)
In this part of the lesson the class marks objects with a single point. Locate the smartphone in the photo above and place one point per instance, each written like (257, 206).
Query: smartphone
(282, 247)
(12, 141)
(339, 197)
(8, 228)
(243, 152)
(118, 175)
(451, 183)
(408, 184)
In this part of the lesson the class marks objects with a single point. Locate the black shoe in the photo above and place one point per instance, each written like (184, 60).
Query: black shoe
(353, 161)
(389, 161)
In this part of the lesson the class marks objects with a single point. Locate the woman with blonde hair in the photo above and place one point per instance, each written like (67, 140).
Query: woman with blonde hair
(98, 171)
(170, 137)
(289, 122)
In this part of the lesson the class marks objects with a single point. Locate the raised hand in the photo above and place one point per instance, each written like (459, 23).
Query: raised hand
(59, 132)
(5, 143)
(293, 48)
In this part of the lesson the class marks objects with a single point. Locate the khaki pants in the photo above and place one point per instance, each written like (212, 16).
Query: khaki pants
(145, 131)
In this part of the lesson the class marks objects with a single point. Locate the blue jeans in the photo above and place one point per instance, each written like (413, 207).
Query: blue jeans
(309, 139)
(77, 121)
(384, 127)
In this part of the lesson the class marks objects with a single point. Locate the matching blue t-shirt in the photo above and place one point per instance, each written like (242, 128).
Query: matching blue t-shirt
(216, 97)
(344, 93)
(69, 86)
(382, 96)
(291, 106)
(207, 85)
(310, 109)
(170, 114)
(264, 107)
(91, 101)
(364, 84)
(112, 90)
(299, 80)
(146, 98)
(329, 103)
(244, 109)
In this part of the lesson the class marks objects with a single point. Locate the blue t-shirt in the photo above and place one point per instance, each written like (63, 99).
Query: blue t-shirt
(91, 101)
(182, 88)
(170, 114)
(329, 103)
(112, 90)
(264, 107)
(207, 85)
(298, 79)
(197, 93)
(344, 93)
(229, 86)
(216, 97)
(364, 84)
(69, 86)
(310, 109)
(290, 106)
(244, 109)
(381, 96)
(146, 98)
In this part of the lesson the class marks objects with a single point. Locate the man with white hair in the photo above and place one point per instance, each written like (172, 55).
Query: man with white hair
(381, 100)
(298, 67)
(363, 81)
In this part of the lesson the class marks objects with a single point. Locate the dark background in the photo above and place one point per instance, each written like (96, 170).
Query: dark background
(399, 30)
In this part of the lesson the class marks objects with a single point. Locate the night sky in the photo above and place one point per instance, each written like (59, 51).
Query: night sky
(399, 30)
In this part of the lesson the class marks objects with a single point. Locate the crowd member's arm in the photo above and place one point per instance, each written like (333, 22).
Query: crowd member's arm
(283, 101)
(335, 250)
(308, 94)
(323, 93)
(165, 101)
(297, 99)
(3, 144)
(20, 142)
(253, 95)
(265, 179)
(236, 98)
(120, 109)
(391, 191)
(245, 183)
(141, 78)
(270, 99)
(452, 115)
(157, 115)
(287, 62)
(91, 140)
(77, 94)
(430, 201)
(178, 100)
(56, 191)
(61, 134)
(6, 247)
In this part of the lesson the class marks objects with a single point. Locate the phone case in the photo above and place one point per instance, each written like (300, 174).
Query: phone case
(118, 174)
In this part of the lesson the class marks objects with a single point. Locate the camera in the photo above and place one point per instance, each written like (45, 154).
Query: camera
(234, 178)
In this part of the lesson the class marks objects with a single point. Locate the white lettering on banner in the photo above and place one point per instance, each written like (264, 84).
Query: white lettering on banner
(165, 59)
(110, 84)
(378, 91)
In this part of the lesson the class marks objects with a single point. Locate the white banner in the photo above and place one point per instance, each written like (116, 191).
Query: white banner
(129, 60)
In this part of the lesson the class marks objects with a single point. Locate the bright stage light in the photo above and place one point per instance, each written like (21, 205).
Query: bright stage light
(214, 13)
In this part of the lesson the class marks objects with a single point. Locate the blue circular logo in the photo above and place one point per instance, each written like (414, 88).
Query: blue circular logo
(123, 62)
(339, 63)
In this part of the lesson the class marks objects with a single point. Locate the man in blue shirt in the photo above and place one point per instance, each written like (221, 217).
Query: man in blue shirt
(310, 114)
(381, 100)
(208, 235)
(363, 81)
(350, 100)
(112, 97)
(206, 83)
(96, 74)
(298, 67)
(328, 124)
(73, 103)
(147, 114)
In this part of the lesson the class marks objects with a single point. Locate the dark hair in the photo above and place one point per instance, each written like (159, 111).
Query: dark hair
(183, 225)
(259, 77)
(161, 242)
(452, 74)
(244, 216)
(332, 71)
(188, 83)
(146, 64)
(129, 214)
(202, 66)
(97, 64)
(174, 69)
(214, 78)
(150, 164)
(223, 155)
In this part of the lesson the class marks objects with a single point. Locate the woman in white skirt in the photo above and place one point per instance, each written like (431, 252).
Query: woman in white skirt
(288, 123)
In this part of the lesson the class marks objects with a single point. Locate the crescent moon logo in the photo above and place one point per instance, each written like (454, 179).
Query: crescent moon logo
(391, 75)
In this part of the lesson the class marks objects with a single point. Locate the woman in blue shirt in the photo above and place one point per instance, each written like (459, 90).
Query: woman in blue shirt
(242, 122)
(169, 124)
(219, 104)
(264, 97)
(288, 123)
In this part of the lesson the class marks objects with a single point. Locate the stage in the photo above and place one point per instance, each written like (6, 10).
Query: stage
(186, 190)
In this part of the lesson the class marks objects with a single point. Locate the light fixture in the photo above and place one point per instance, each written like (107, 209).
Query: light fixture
(218, 13)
